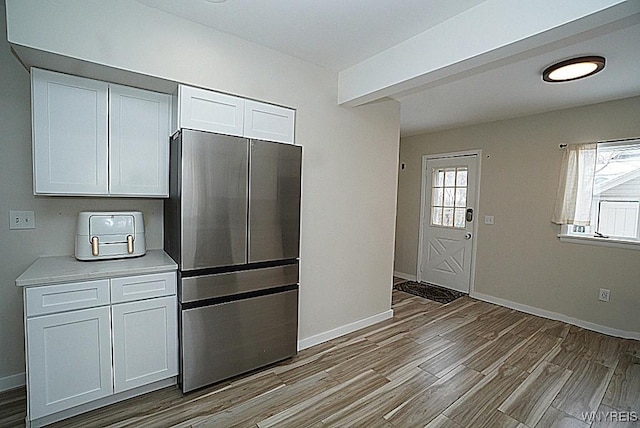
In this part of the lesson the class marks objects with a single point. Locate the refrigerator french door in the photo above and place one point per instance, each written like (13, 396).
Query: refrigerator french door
(232, 201)
(232, 223)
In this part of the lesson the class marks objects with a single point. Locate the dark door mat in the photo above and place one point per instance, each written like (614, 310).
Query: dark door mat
(429, 291)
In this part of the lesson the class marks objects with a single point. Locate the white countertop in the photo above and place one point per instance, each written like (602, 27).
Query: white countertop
(59, 269)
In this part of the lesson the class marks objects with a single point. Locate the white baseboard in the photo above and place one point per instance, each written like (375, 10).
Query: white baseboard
(556, 316)
(405, 276)
(13, 381)
(345, 329)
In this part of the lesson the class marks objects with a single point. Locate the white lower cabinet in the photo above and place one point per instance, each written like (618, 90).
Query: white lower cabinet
(69, 357)
(78, 354)
(144, 342)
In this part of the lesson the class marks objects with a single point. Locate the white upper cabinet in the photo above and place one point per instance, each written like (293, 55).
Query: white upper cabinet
(268, 122)
(69, 134)
(138, 129)
(210, 111)
(95, 138)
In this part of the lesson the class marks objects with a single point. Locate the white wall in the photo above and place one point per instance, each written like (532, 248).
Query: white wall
(520, 258)
(349, 155)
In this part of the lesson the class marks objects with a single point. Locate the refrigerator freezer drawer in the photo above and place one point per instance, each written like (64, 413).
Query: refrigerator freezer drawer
(225, 340)
(226, 284)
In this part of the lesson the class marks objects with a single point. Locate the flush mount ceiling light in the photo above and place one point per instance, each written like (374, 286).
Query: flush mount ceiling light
(573, 69)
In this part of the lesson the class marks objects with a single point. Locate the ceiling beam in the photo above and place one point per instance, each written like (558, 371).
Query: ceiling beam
(478, 39)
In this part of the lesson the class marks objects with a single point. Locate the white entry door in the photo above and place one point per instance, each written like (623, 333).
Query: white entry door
(447, 221)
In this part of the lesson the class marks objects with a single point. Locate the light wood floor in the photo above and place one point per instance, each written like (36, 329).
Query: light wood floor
(465, 364)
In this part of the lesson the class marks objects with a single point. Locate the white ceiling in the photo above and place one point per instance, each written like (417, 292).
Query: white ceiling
(339, 34)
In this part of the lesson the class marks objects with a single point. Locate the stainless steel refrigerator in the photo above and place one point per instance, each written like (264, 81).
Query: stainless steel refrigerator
(232, 223)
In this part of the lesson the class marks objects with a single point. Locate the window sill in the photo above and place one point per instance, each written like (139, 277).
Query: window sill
(605, 242)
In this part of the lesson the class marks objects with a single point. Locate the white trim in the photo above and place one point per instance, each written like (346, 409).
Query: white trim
(12, 381)
(603, 242)
(474, 245)
(403, 275)
(345, 329)
(477, 152)
(556, 316)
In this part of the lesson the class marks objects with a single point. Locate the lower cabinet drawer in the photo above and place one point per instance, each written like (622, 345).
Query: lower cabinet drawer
(131, 288)
(49, 299)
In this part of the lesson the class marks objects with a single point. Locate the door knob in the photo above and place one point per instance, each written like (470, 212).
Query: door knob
(467, 236)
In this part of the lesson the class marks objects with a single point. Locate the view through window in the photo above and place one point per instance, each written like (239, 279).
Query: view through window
(615, 208)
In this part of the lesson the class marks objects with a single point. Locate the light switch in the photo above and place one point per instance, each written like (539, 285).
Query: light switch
(488, 219)
(22, 220)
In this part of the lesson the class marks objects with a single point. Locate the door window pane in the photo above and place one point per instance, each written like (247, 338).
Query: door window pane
(461, 197)
(437, 195)
(436, 216)
(447, 219)
(461, 178)
(449, 197)
(450, 177)
(459, 217)
(449, 193)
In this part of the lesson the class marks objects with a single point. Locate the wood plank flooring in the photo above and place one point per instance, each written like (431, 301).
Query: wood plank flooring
(465, 364)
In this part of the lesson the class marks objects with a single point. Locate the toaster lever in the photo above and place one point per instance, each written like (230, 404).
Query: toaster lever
(130, 244)
(94, 245)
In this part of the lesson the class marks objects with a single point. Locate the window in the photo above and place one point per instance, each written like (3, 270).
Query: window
(449, 197)
(612, 206)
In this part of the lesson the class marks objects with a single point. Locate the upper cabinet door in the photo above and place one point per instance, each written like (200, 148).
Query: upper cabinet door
(69, 134)
(210, 111)
(139, 142)
(268, 122)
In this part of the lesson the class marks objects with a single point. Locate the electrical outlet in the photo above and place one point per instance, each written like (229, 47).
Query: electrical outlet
(22, 220)
(604, 295)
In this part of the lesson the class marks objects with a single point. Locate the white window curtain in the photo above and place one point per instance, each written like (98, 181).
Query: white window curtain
(575, 189)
